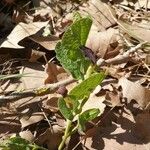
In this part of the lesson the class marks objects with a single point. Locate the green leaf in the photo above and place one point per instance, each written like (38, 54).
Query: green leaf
(68, 50)
(85, 88)
(64, 109)
(76, 16)
(86, 116)
(16, 143)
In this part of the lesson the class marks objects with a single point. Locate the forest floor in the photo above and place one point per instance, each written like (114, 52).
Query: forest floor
(118, 44)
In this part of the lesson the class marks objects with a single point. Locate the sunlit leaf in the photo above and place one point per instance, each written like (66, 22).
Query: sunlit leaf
(86, 116)
(85, 88)
(68, 50)
(64, 109)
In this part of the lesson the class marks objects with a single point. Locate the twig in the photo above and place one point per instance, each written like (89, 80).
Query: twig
(46, 89)
(146, 6)
(120, 58)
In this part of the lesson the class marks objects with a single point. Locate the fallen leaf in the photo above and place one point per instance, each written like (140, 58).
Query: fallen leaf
(114, 98)
(48, 42)
(117, 136)
(101, 42)
(102, 18)
(27, 135)
(54, 72)
(137, 4)
(9, 1)
(134, 91)
(20, 32)
(142, 128)
(29, 120)
(35, 55)
(94, 102)
(52, 102)
(51, 137)
(141, 33)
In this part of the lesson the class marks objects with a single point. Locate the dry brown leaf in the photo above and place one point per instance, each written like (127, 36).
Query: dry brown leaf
(47, 42)
(100, 42)
(29, 120)
(35, 55)
(51, 137)
(35, 75)
(27, 135)
(94, 102)
(134, 91)
(141, 33)
(114, 98)
(34, 78)
(142, 128)
(117, 136)
(20, 32)
(52, 102)
(54, 73)
(101, 17)
(137, 4)
(9, 1)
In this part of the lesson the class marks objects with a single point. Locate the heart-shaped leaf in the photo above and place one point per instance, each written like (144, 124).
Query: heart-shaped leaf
(68, 50)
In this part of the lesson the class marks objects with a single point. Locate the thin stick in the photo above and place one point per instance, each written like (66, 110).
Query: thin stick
(120, 58)
(46, 89)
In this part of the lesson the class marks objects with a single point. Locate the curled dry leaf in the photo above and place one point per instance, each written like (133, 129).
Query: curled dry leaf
(114, 98)
(134, 91)
(48, 42)
(104, 44)
(20, 32)
(52, 102)
(29, 120)
(55, 73)
(27, 135)
(35, 55)
(51, 137)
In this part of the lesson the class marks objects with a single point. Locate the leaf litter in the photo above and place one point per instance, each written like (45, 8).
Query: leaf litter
(123, 97)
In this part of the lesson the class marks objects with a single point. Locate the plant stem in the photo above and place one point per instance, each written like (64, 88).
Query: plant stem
(66, 135)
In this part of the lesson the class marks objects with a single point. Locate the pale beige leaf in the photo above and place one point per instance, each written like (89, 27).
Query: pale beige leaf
(141, 33)
(47, 42)
(20, 32)
(35, 55)
(100, 42)
(54, 72)
(134, 91)
(29, 120)
(101, 18)
(27, 135)
(94, 102)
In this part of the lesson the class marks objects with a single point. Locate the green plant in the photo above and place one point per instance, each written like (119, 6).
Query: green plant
(18, 143)
(69, 53)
